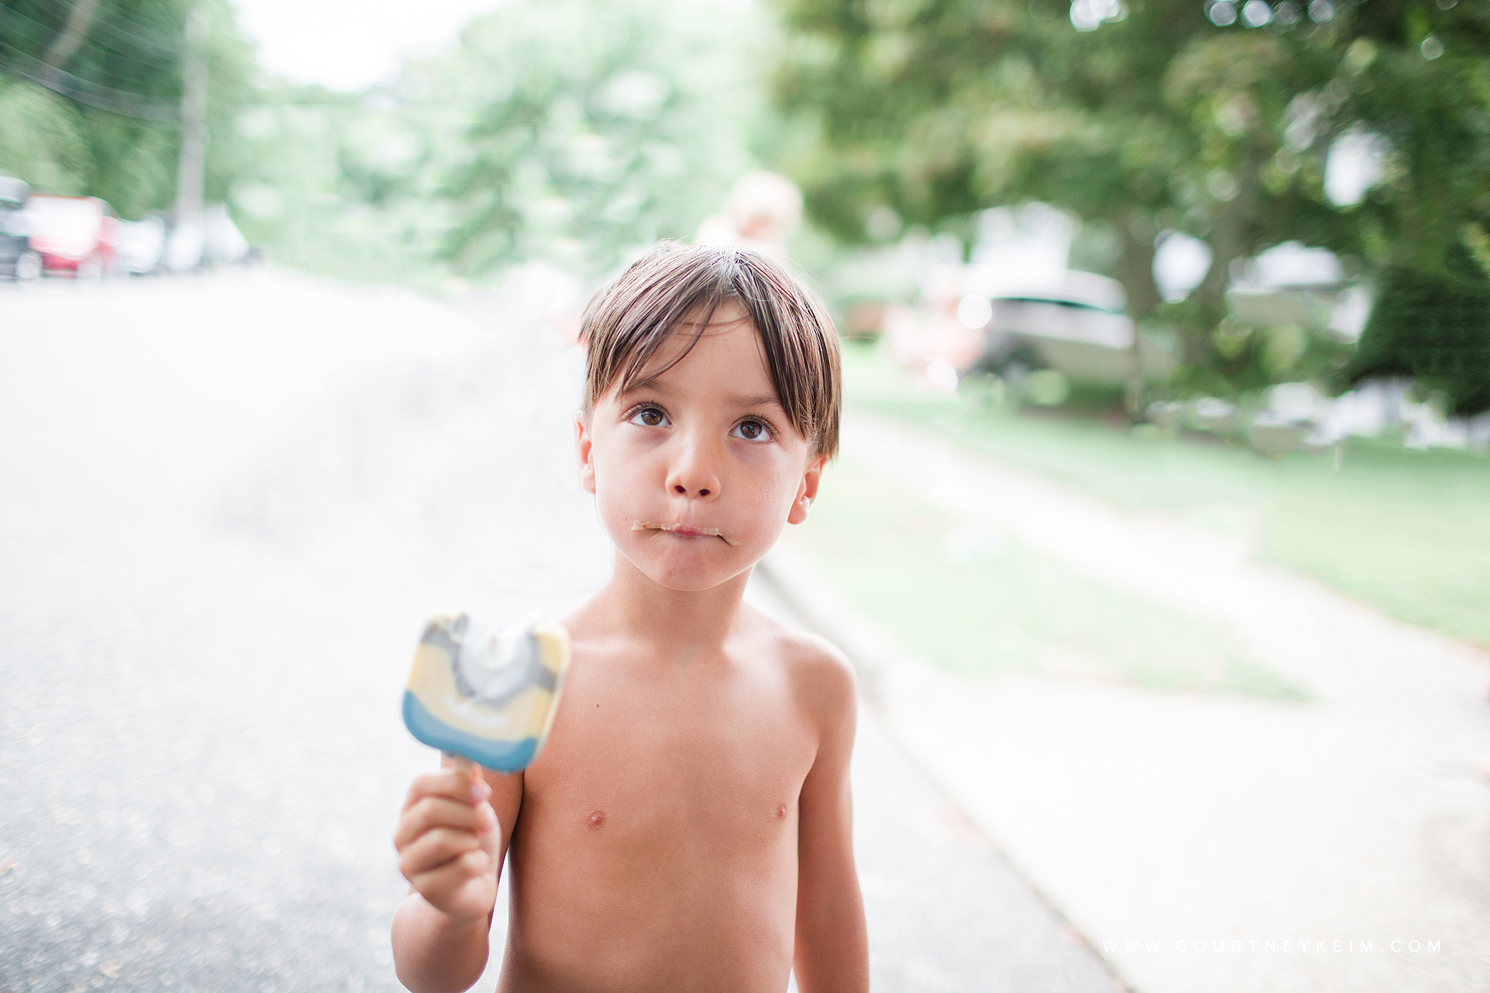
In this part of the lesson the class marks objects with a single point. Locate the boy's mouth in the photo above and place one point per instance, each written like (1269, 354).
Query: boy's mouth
(686, 532)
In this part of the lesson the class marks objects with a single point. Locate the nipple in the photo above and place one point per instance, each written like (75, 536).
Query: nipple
(596, 819)
(781, 810)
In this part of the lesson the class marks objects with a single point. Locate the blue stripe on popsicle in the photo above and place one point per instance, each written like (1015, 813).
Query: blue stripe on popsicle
(501, 756)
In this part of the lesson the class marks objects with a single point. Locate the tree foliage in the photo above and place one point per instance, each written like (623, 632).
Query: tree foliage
(90, 94)
(564, 130)
(1433, 327)
(594, 126)
(1158, 119)
(1423, 226)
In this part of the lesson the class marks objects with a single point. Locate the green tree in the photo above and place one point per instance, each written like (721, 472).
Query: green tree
(1161, 116)
(565, 130)
(591, 125)
(41, 139)
(91, 93)
(1418, 77)
(351, 185)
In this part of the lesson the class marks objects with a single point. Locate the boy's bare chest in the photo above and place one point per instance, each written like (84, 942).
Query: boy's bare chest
(706, 756)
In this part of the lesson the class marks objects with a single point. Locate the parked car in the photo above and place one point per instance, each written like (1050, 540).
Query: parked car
(140, 246)
(205, 241)
(18, 259)
(1074, 323)
(74, 235)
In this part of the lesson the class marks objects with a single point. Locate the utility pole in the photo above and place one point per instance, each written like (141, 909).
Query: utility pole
(193, 117)
(79, 20)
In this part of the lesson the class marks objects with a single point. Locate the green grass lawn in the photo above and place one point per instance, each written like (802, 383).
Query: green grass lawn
(983, 604)
(1405, 531)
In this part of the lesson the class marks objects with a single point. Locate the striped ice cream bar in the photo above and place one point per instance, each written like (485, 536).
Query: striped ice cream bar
(486, 693)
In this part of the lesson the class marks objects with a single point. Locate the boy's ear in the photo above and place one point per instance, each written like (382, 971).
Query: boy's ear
(586, 466)
(807, 491)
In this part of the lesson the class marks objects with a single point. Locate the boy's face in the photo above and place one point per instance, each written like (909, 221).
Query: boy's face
(696, 472)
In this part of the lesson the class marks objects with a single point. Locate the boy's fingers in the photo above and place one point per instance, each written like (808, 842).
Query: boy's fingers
(453, 872)
(436, 812)
(442, 886)
(491, 838)
(477, 786)
(434, 849)
(458, 785)
(477, 862)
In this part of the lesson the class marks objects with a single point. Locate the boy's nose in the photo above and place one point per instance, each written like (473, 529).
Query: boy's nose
(693, 473)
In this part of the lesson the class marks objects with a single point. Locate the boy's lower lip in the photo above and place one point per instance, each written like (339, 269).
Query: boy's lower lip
(683, 532)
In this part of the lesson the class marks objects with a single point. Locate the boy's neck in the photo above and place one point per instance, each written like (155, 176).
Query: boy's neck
(680, 625)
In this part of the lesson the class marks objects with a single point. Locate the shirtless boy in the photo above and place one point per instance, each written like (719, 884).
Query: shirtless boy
(688, 824)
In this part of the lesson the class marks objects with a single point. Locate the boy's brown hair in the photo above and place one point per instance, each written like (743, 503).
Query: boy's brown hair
(627, 323)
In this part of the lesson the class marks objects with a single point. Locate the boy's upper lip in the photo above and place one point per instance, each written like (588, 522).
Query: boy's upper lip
(686, 530)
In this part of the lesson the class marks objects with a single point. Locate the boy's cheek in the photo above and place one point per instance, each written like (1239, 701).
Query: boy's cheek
(610, 488)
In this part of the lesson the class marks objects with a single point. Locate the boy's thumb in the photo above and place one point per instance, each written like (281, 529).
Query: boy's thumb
(490, 834)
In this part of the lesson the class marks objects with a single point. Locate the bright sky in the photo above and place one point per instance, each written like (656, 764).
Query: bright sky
(350, 44)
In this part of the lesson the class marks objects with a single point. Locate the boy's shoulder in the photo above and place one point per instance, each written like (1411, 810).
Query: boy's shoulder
(819, 676)
(819, 671)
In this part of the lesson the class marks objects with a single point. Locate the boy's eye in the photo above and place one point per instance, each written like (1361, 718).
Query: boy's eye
(752, 430)
(648, 417)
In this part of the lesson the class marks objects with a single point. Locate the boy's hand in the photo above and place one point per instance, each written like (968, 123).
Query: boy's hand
(448, 841)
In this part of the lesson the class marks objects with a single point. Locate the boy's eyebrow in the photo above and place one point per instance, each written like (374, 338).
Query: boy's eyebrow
(763, 400)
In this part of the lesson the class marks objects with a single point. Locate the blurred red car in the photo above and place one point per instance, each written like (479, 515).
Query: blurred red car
(74, 235)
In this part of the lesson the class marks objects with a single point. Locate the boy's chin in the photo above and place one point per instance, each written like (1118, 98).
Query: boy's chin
(695, 577)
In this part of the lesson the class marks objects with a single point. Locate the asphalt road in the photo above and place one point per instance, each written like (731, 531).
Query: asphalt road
(226, 506)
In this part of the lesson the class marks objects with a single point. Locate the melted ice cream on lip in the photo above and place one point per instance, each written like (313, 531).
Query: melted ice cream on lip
(677, 529)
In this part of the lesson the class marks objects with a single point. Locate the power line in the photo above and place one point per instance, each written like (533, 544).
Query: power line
(103, 75)
(9, 15)
(12, 15)
(76, 87)
(162, 46)
(122, 27)
(93, 94)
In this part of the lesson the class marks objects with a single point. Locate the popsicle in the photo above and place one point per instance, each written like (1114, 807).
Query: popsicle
(486, 693)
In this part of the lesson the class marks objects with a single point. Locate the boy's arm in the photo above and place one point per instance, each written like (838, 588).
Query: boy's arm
(442, 929)
(832, 951)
